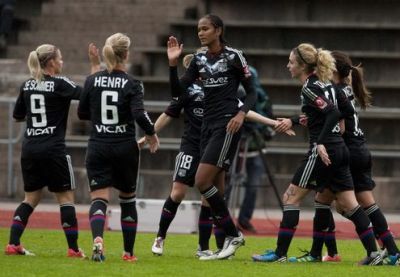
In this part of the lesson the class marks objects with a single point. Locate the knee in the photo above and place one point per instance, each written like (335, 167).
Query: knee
(177, 196)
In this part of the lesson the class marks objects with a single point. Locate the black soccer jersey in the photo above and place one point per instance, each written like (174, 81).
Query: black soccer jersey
(319, 103)
(45, 106)
(221, 74)
(113, 102)
(353, 133)
(193, 106)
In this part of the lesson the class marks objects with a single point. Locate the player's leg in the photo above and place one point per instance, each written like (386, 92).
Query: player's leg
(69, 222)
(61, 182)
(97, 218)
(20, 220)
(170, 207)
(380, 226)
(302, 183)
(218, 153)
(33, 184)
(353, 211)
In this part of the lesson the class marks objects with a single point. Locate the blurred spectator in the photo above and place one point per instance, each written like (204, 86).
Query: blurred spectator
(6, 18)
(255, 135)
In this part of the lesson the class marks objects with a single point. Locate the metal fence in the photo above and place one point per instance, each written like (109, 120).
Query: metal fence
(14, 135)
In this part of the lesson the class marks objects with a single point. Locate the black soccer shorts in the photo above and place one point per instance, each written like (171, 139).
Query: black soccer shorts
(55, 173)
(186, 164)
(314, 174)
(217, 146)
(361, 167)
(113, 165)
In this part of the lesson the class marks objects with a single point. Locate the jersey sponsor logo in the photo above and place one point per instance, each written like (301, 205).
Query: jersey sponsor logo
(215, 82)
(198, 111)
(110, 82)
(320, 103)
(119, 129)
(32, 132)
(47, 86)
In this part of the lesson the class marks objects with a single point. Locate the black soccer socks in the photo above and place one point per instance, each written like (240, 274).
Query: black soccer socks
(381, 228)
(363, 228)
(97, 216)
(129, 220)
(220, 211)
(290, 220)
(320, 227)
(69, 224)
(20, 220)
(167, 216)
(205, 227)
(330, 237)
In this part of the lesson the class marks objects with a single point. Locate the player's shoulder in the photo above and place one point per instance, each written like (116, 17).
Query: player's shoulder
(232, 52)
(63, 80)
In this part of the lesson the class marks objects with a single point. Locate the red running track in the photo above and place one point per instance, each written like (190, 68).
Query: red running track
(265, 227)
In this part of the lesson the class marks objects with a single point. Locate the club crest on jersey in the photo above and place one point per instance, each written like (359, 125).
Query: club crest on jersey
(320, 103)
(218, 67)
(182, 172)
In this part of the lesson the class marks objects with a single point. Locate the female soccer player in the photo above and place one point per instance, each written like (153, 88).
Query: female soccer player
(350, 85)
(326, 166)
(44, 102)
(187, 162)
(113, 100)
(221, 69)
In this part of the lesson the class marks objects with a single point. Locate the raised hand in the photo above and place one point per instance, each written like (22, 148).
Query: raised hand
(174, 50)
(94, 57)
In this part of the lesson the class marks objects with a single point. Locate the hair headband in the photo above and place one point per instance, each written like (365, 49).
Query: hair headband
(301, 58)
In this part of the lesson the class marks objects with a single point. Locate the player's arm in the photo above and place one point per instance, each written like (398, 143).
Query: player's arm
(256, 117)
(316, 98)
(162, 121)
(179, 86)
(84, 102)
(251, 95)
(19, 112)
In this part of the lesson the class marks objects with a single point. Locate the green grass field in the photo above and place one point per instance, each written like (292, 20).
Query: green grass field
(178, 260)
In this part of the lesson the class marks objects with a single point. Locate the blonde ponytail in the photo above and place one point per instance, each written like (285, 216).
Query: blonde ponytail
(319, 61)
(115, 50)
(37, 60)
(325, 65)
(34, 66)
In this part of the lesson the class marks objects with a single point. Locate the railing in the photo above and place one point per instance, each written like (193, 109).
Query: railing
(14, 135)
(10, 141)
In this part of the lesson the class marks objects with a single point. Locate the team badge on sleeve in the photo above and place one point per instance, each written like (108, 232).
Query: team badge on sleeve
(246, 71)
(320, 103)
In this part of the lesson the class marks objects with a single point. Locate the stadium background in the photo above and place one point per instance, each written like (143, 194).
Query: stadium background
(368, 30)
